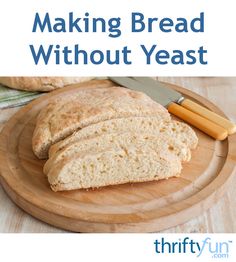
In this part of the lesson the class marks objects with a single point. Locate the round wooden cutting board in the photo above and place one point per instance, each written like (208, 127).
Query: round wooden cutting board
(142, 207)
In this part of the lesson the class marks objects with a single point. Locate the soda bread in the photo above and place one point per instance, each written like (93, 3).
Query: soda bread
(149, 124)
(107, 136)
(41, 83)
(69, 113)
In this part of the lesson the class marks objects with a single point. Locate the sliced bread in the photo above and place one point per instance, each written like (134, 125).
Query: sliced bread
(151, 124)
(64, 116)
(123, 140)
(113, 166)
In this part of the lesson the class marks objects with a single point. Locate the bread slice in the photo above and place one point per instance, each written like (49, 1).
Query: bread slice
(114, 166)
(122, 140)
(64, 116)
(152, 124)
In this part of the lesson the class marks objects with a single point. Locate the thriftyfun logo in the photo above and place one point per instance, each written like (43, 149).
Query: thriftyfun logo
(186, 245)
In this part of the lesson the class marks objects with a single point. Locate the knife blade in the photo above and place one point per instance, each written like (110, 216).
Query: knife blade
(168, 99)
(149, 90)
(169, 92)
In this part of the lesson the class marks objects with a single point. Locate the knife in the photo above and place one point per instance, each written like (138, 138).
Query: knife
(200, 117)
(189, 104)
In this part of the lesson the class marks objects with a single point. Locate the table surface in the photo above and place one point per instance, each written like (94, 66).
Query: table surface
(220, 218)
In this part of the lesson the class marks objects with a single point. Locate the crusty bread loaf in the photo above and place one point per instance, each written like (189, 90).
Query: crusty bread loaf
(175, 129)
(113, 166)
(69, 113)
(107, 136)
(123, 140)
(41, 83)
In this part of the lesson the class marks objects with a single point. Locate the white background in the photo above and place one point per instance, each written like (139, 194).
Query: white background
(219, 38)
(104, 247)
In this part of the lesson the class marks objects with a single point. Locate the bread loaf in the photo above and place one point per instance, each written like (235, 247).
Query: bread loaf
(69, 113)
(41, 83)
(107, 136)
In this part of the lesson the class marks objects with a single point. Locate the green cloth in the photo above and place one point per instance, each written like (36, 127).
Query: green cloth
(13, 98)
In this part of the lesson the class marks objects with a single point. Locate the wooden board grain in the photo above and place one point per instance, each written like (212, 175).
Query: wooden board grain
(143, 207)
